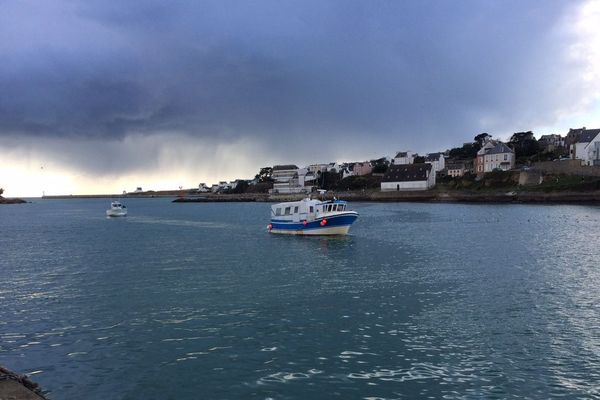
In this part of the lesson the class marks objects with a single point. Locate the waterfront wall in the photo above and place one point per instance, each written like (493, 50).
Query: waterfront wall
(566, 167)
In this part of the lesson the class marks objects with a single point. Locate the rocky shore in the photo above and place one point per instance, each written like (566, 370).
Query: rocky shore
(11, 201)
(18, 387)
(457, 196)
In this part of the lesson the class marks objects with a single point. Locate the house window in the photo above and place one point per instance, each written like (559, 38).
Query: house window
(505, 157)
(288, 210)
(312, 209)
(296, 210)
(278, 211)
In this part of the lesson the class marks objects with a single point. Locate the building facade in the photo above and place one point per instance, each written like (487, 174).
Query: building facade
(406, 177)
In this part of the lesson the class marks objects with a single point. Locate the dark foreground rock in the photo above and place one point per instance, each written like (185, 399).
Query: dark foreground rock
(18, 387)
(11, 201)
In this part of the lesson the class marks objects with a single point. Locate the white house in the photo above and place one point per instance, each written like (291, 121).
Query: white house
(333, 167)
(317, 168)
(403, 158)
(495, 156)
(587, 147)
(408, 177)
(286, 179)
(202, 188)
(456, 169)
(437, 161)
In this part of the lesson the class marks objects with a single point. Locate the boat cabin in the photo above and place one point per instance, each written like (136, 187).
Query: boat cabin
(306, 210)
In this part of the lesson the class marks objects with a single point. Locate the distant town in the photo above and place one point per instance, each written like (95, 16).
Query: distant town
(577, 153)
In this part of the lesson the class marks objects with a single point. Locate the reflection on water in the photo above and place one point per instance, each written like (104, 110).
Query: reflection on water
(199, 301)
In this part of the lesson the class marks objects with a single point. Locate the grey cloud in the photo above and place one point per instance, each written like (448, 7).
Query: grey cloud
(380, 73)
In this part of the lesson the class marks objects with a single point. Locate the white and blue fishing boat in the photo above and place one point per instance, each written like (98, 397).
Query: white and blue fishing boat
(311, 217)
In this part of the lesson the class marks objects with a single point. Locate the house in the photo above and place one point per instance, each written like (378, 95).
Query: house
(362, 168)
(138, 190)
(550, 143)
(403, 158)
(572, 136)
(286, 179)
(586, 147)
(202, 188)
(479, 160)
(333, 167)
(307, 179)
(408, 177)
(317, 168)
(347, 169)
(456, 169)
(495, 156)
(437, 161)
(214, 188)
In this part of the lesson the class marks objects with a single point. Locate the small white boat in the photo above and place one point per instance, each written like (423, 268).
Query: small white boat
(311, 217)
(116, 210)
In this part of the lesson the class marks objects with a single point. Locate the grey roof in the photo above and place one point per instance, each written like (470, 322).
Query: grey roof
(500, 148)
(401, 154)
(284, 167)
(407, 173)
(587, 135)
(455, 166)
(433, 156)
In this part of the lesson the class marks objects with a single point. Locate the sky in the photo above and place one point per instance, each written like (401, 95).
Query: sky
(101, 97)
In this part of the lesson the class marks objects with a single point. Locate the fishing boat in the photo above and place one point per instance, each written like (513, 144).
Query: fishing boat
(311, 217)
(116, 210)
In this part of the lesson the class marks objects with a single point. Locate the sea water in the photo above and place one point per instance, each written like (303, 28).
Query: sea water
(199, 301)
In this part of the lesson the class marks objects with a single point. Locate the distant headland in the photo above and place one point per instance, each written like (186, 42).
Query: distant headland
(4, 200)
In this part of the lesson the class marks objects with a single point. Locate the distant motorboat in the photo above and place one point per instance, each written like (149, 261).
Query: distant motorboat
(116, 210)
(311, 217)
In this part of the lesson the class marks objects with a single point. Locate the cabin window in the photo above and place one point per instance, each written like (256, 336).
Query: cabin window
(278, 211)
(296, 210)
(312, 209)
(288, 210)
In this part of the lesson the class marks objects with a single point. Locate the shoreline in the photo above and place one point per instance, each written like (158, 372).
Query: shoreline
(432, 196)
(12, 200)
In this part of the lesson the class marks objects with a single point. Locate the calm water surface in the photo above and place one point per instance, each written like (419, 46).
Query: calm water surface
(198, 301)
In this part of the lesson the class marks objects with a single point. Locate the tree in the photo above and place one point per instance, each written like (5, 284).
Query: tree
(265, 174)
(1, 191)
(467, 151)
(241, 187)
(482, 138)
(328, 180)
(419, 159)
(524, 144)
(380, 165)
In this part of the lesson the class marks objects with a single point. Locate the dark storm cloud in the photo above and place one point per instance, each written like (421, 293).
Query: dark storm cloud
(386, 72)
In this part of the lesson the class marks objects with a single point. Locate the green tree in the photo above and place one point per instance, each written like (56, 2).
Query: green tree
(265, 174)
(467, 151)
(482, 138)
(380, 165)
(1, 191)
(524, 144)
(419, 160)
(241, 187)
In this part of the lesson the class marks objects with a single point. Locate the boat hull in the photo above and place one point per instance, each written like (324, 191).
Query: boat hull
(111, 213)
(335, 225)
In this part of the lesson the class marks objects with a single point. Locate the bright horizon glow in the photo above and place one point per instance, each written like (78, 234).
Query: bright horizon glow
(273, 88)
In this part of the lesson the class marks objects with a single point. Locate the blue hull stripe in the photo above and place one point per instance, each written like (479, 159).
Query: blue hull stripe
(341, 220)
